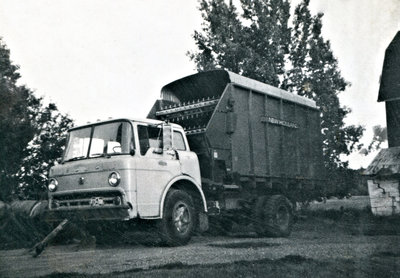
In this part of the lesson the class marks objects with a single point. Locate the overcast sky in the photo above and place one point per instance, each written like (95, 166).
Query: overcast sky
(108, 58)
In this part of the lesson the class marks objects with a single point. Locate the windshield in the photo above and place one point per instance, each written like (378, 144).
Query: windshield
(100, 140)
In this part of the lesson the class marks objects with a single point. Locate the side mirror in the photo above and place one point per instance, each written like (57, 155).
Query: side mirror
(167, 136)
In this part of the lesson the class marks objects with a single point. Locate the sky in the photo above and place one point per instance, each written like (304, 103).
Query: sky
(109, 58)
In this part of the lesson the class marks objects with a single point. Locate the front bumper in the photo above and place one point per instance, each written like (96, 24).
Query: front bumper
(89, 205)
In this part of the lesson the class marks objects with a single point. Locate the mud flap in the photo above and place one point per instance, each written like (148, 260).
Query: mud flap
(203, 222)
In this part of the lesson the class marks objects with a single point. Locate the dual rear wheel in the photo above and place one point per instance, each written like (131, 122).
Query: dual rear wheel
(273, 216)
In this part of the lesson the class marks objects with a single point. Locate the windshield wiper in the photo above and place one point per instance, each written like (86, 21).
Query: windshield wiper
(100, 155)
(76, 158)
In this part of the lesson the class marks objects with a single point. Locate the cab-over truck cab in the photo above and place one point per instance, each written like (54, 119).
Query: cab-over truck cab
(125, 169)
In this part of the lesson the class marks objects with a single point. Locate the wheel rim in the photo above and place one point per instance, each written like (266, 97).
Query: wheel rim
(181, 217)
(282, 217)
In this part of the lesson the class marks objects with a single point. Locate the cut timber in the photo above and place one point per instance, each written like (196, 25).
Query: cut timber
(39, 247)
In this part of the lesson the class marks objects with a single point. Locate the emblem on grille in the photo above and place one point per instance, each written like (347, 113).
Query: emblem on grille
(81, 180)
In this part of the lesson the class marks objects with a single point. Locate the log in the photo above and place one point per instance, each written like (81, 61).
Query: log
(40, 246)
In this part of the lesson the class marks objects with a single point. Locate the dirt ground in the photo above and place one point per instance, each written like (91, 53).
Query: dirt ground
(334, 246)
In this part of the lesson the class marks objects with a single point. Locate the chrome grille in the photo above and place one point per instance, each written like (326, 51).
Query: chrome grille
(87, 199)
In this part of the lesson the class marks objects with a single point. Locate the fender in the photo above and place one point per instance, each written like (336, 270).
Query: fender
(173, 181)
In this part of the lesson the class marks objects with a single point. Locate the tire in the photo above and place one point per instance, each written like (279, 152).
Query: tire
(273, 216)
(178, 223)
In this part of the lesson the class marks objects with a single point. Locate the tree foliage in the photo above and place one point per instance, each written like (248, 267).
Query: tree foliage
(268, 43)
(378, 138)
(30, 134)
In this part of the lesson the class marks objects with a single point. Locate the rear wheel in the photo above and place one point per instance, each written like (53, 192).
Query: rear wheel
(178, 223)
(273, 216)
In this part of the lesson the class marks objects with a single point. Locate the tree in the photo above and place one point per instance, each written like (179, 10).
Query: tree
(220, 42)
(267, 39)
(260, 44)
(29, 134)
(315, 74)
(43, 151)
(379, 137)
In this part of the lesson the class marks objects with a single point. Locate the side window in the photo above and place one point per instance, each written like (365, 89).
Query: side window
(149, 137)
(178, 142)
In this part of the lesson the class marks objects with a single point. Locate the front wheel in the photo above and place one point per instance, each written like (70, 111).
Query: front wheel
(273, 216)
(178, 223)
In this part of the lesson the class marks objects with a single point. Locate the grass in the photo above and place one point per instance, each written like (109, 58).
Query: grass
(289, 266)
(350, 221)
(357, 222)
(244, 245)
(380, 264)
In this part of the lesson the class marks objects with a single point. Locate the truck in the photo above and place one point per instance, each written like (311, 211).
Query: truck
(216, 147)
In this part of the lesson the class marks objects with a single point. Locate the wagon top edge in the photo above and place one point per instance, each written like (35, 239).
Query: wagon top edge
(213, 83)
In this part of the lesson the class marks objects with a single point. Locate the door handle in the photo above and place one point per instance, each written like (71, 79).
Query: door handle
(162, 163)
(170, 152)
(173, 153)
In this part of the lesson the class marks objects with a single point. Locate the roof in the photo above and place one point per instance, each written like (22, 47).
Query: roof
(386, 163)
(147, 121)
(390, 79)
(212, 84)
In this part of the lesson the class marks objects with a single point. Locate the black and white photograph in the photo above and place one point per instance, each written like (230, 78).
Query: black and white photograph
(199, 138)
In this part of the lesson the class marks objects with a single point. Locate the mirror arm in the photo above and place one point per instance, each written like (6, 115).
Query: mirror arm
(132, 149)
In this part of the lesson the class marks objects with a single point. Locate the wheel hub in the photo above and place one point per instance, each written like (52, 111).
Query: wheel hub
(181, 218)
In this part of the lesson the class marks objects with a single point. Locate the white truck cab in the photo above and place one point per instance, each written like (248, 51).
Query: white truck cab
(123, 169)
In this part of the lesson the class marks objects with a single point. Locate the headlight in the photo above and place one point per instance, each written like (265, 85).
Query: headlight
(114, 178)
(53, 183)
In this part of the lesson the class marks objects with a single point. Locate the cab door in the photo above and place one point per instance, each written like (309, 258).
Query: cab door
(188, 160)
(155, 168)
